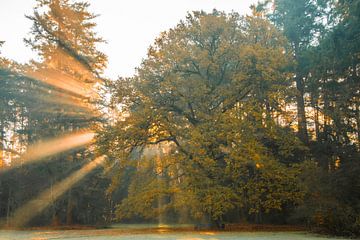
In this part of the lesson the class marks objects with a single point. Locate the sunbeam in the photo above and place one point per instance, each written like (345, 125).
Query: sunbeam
(35, 206)
(62, 81)
(56, 73)
(42, 149)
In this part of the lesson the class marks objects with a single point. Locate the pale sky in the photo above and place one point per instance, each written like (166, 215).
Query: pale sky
(129, 26)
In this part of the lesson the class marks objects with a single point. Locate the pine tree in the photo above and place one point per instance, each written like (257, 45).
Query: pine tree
(302, 23)
(54, 96)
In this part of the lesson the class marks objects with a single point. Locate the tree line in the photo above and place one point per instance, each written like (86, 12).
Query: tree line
(53, 95)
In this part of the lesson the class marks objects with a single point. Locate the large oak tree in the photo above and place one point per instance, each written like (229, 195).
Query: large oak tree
(211, 96)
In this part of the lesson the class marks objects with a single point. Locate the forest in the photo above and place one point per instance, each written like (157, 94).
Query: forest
(229, 119)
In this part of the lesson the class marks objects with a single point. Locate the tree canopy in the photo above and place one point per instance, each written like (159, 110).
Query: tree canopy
(208, 91)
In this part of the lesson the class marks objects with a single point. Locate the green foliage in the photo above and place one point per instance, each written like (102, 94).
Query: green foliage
(331, 200)
(325, 39)
(208, 91)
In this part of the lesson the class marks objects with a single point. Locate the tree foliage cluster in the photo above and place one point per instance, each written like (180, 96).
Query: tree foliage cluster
(233, 118)
(208, 90)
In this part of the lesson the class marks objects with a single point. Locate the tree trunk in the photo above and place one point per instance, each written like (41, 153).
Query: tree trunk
(315, 106)
(69, 209)
(301, 116)
(8, 207)
(358, 125)
(2, 158)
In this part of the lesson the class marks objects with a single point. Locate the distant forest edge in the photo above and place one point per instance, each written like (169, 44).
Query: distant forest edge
(229, 119)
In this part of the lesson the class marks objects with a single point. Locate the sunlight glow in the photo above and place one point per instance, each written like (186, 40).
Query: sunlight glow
(35, 206)
(51, 147)
(63, 81)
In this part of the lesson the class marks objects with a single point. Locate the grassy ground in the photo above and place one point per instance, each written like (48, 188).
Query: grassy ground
(172, 228)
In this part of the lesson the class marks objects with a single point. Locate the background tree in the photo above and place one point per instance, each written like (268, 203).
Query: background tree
(329, 62)
(335, 81)
(49, 98)
(302, 23)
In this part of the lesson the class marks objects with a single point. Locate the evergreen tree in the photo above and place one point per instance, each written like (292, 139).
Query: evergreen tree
(54, 96)
(301, 22)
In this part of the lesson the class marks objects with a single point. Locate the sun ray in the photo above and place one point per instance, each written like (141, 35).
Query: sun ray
(62, 81)
(35, 206)
(50, 147)
(57, 145)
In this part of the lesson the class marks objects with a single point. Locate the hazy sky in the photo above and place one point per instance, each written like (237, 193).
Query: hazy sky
(128, 26)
